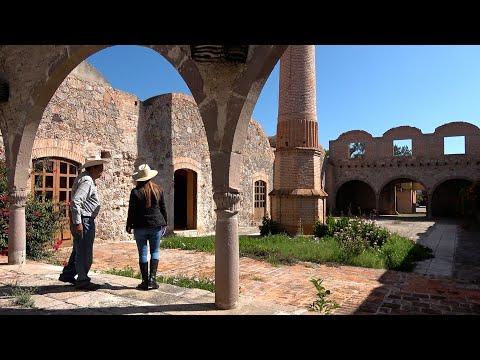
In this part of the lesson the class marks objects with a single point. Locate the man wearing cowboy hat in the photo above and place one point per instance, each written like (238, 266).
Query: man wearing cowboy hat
(84, 208)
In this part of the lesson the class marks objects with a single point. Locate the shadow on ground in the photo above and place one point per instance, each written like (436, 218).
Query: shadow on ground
(405, 293)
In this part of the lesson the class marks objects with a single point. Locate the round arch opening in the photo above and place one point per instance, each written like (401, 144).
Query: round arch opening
(185, 199)
(448, 198)
(355, 197)
(403, 196)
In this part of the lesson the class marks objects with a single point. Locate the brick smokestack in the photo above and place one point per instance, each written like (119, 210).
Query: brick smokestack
(298, 198)
(297, 107)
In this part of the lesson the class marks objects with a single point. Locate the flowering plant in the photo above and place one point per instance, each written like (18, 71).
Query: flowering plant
(43, 220)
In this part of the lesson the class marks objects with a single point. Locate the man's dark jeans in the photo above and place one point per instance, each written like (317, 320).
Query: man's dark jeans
(82, 254)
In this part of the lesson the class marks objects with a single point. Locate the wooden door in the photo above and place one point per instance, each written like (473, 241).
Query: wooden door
(53, 180)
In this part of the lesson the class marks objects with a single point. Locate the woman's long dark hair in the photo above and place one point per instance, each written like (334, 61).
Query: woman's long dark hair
(149, 188)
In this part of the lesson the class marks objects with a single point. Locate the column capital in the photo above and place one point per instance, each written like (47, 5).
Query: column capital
(18, 198)
(227, 200)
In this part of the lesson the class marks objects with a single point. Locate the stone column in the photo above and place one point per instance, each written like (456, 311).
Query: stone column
(17, 236)
(429, 205)
(226, 249)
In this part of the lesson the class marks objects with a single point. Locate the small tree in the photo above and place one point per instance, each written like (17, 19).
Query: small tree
(402, 150)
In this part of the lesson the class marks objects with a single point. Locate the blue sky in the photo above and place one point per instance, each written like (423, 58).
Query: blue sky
(372, 88)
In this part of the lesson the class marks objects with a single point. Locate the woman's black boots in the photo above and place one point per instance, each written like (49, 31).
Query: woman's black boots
(152, 280)
(144, 272)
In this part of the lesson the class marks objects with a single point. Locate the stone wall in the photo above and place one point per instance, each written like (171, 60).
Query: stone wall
(86, 117)
(257, 165)
(172, 136)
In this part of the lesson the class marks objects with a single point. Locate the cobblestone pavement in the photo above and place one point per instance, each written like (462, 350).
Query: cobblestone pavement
(357, 290)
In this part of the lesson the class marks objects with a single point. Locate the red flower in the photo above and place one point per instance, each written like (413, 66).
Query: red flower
(57, 244)
(4, 251)
(37, 214)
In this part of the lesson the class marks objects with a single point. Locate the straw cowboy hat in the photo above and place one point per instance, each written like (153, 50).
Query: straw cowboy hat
(144, 173)
(92, 161)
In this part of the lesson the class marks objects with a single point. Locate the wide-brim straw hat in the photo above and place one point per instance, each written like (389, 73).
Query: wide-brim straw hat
(92, 161)
(144, 173)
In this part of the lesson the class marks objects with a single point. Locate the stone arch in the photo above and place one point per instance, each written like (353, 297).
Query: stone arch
(355, 196)
(57, 148)
(226, 142)
(63, 65)
(445, 197)
(401, 176)
(186, 163)
(356, 178)
(447, 178)
(391, 202)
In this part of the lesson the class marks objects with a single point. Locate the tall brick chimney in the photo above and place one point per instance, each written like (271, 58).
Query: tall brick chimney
(298, 198)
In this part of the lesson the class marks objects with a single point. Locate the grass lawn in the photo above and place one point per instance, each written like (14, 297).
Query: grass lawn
(186, 282)
(398, 253)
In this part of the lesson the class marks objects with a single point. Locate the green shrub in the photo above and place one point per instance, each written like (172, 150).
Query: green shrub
(320, 229)
(43, 220)
(269, 227)
(351, 239)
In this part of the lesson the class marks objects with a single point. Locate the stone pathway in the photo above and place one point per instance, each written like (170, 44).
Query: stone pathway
(467, 256)
(357, 290)
(440, 236)
(117, 296)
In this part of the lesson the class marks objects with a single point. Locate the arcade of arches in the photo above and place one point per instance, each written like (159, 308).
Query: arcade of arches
(207, 144)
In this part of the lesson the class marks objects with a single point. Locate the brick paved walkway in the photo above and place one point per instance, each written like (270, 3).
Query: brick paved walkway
(357, 290)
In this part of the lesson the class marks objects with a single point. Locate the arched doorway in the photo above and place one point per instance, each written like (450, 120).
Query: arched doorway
(52, 180)
(447, 198)
(403, 196)
(185, 199)
(355, 197)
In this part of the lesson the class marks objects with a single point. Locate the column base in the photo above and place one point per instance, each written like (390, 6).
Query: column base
(223, 306)
(18, 257)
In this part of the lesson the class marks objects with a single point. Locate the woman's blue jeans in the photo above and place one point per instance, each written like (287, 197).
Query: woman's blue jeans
(153, 236)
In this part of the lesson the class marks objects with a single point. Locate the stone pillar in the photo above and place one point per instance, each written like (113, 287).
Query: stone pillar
(17, 236)
(226, 249)
(429, 206)
(297, 195)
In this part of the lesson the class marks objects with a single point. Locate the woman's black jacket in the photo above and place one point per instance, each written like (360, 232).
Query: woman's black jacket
(141, 217)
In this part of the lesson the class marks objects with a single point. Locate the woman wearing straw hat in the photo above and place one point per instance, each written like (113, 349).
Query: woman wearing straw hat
(147, 216)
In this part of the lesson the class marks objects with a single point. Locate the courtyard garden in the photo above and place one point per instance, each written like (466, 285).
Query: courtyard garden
(347, 241)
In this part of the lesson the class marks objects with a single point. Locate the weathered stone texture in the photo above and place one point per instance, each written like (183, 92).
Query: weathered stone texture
(88, 113)
(172, 137)
(86, 117)
(257, 165)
